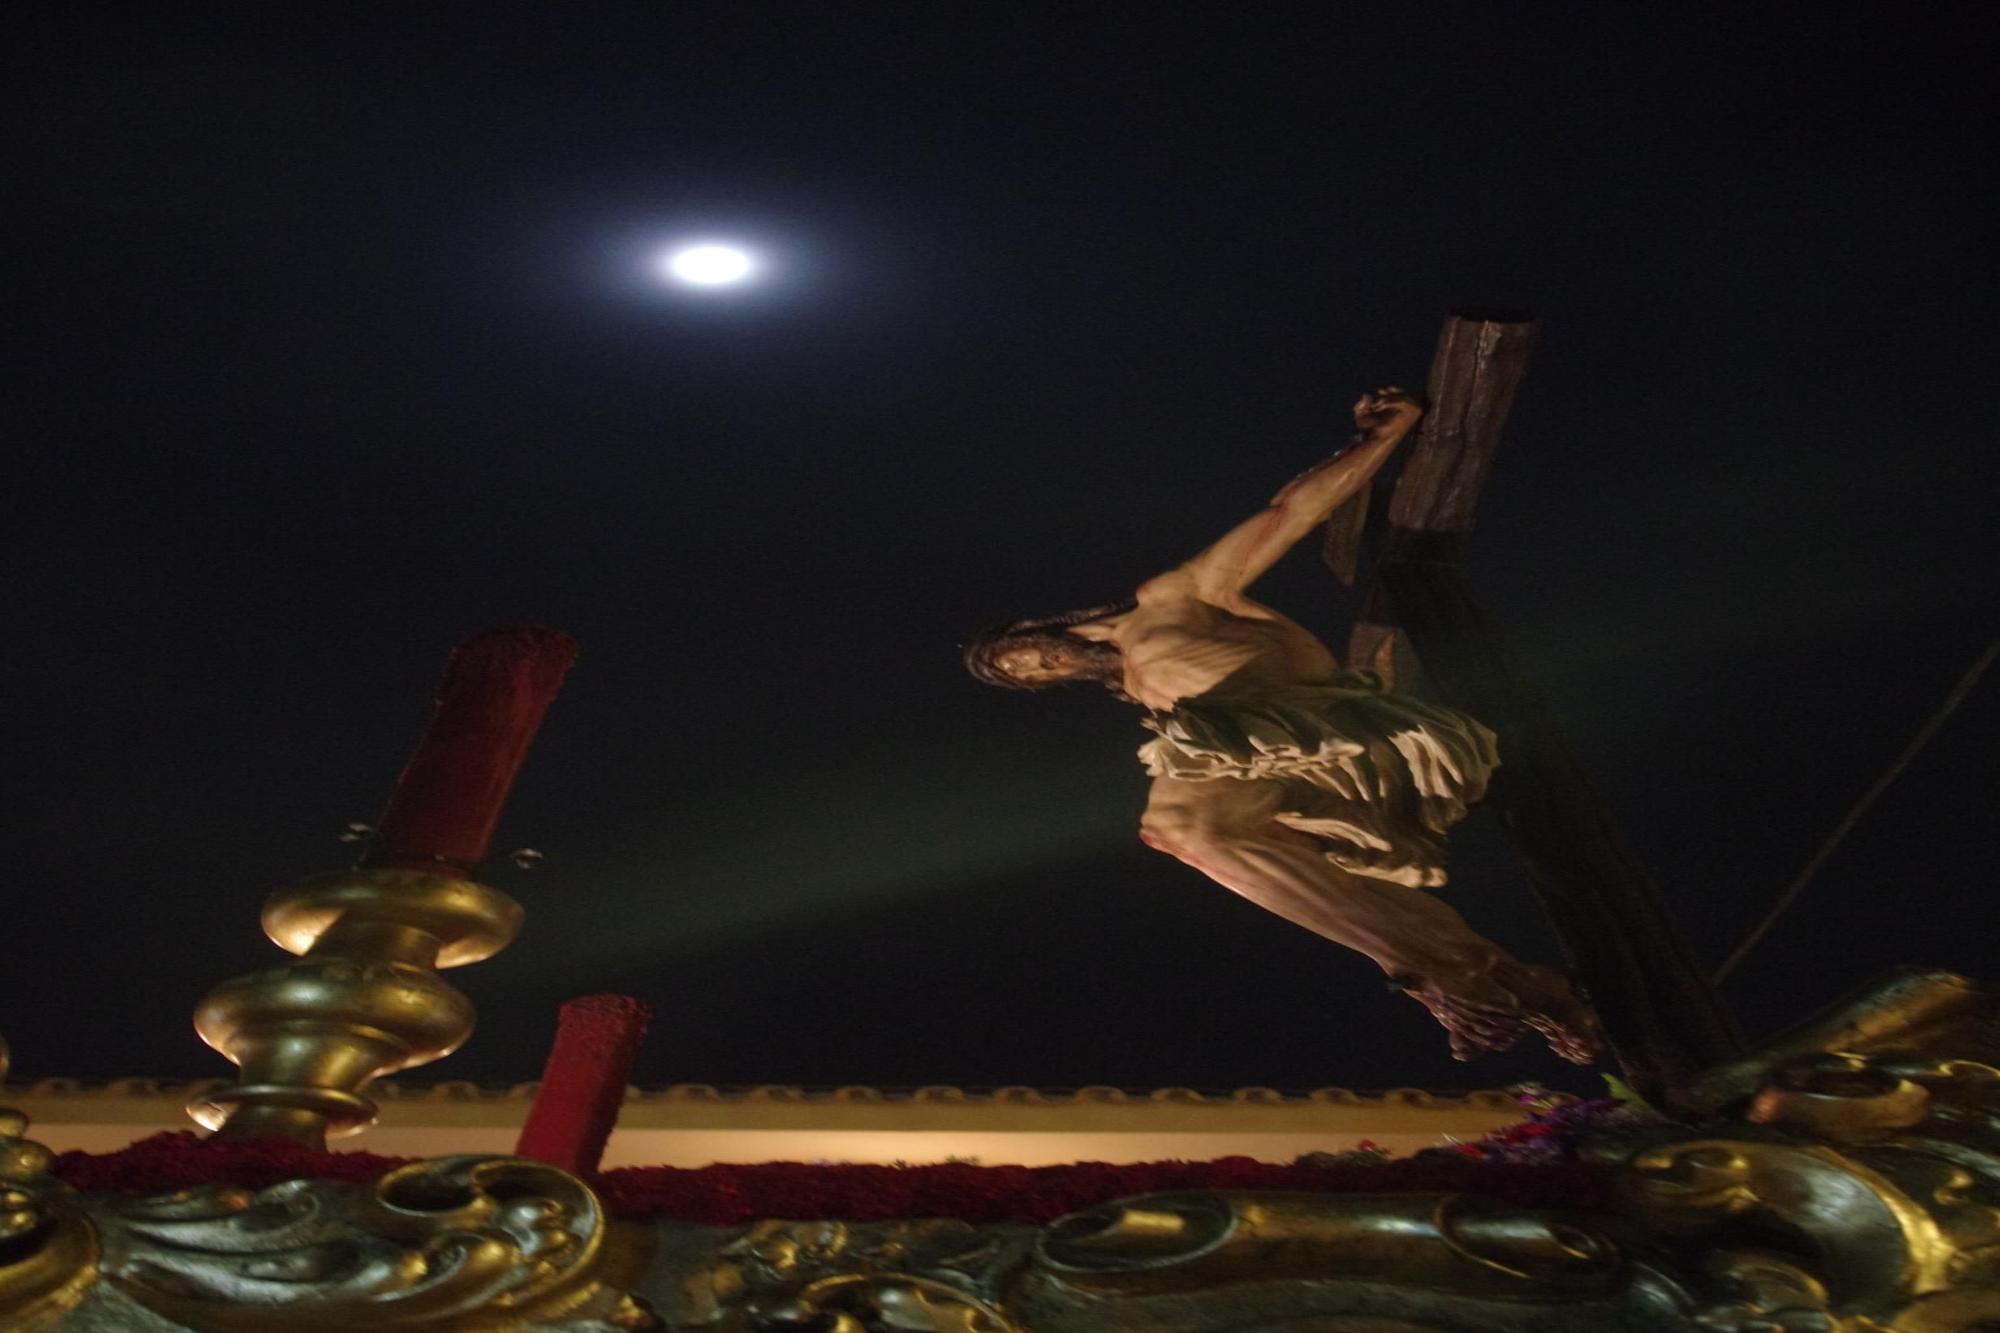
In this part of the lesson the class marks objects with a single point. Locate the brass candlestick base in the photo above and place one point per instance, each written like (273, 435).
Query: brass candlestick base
(363, 1000)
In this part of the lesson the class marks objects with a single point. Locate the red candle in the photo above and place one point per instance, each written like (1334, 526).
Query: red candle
(448, 800)
(583, 1084)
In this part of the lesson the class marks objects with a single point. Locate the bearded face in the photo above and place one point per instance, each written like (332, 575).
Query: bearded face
(1037, 653)
(1035, 659)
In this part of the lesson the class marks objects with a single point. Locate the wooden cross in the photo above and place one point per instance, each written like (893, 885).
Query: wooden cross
(1662, 1019)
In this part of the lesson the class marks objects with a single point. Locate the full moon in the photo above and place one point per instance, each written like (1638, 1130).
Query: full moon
(708, 265)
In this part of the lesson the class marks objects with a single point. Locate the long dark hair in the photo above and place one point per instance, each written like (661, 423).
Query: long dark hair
(1049, 634)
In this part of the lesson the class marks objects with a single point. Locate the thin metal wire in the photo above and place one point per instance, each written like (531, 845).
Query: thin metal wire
(1846, 825)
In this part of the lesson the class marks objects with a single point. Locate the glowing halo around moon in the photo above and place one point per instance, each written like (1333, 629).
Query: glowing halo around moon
(708, 264)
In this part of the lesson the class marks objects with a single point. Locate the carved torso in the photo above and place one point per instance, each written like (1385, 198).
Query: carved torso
(1177, 647)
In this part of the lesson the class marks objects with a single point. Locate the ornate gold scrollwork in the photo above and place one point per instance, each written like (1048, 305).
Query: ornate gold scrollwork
(459, 1243)
(1850, 1189)
(1840, 1096)
(1189, 1262)
(1895, 1237)
(1854, 1222)
(836, 1277)
(1852, 1097)
(1180, 1241)
(1864, 1192)
(48, 1247)
(1905, 1011)
(1758, 1292)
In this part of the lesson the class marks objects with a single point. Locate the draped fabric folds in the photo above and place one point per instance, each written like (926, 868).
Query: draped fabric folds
(1378, 776)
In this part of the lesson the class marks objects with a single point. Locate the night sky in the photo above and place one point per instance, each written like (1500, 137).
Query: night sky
(334, 338)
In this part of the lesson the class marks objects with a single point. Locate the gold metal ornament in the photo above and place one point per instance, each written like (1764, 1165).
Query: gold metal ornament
(1906, 1009)
(363, 1000)
(1837, 1191)
(48, 1247)
(1457, 1243)
(456, 1243)
(926, 1276)
(1843, 1179)
(1859, 1187)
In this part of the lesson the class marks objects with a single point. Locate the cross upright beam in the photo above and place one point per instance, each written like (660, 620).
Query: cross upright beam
(1662, 1019)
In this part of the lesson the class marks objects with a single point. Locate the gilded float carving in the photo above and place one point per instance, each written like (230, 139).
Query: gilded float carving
(48, 1247)
(837, 1277)
(1859, 1188)
(1843, 1179)
(459, 1242)
(1442, 1243)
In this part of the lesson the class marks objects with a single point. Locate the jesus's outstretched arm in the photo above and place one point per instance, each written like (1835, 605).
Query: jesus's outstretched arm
(1221, 573)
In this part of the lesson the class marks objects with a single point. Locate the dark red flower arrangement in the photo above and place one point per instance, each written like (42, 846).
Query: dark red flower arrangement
(1532, 1164)
(727, 1194)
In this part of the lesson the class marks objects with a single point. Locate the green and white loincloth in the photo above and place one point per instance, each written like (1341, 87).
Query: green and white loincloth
(1382, 776)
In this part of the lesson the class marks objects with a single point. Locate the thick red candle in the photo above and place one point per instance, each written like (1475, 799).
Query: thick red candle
(448, 800)
(583, 1084)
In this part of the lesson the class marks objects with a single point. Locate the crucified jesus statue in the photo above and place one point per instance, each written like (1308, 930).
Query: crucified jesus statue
(1317, 793)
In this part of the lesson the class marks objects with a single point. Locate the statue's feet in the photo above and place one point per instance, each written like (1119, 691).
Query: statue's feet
(1490, 1013)
(1475, 1026)
(1551, 1006)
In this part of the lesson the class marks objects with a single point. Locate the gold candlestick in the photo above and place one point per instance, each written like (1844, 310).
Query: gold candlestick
(364, 998)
